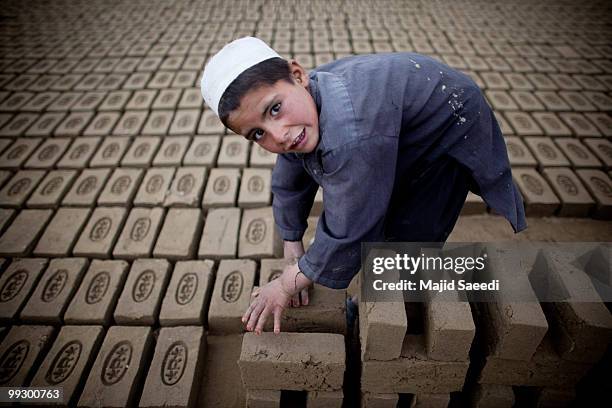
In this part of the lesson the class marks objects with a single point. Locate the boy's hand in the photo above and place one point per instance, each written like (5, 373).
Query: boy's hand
(293, 250)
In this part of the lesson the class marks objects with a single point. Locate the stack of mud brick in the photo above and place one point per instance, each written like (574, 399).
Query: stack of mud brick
(532, 353)
(416, 348)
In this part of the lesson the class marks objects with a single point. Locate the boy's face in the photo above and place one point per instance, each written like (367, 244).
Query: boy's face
(280, 118)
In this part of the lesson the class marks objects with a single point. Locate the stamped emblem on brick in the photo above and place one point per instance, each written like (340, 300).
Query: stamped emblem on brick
(12, 360)
(154, 184)
(87, 185)
(52, 185)
(102, 122)
(54, 285)
(232, 287)
(17, 152)
(185, 184)
(140, 229)
(256, 231)
(568, 185)
(601, 185)
(117, 363)
(233, 149)
(577, 150)
(143, 287)
(97, 288)
(19, 186)
(255, 184)
(547, 151)
(48, 152)
(174, 363)
(19, 123)
(74, 122)
(142, 149)
(532, 184)
(221, 185)
(79, 151)
(64, 362)
(121, 185)
(186, 288)
(110, 150)
(171, 150)
(100, 229)
(202, 149)
(13, 285)
(515, 150)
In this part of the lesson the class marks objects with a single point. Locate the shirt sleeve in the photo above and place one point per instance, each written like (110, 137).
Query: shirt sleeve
(293, 194)
(360, 178)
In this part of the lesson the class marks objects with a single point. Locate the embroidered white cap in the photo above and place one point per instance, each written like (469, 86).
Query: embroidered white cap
(227, 64)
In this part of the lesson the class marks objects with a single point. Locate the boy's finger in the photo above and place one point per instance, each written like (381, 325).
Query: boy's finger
(304, 296)
(262, 320)
(277, 319)
(254, 316)
(295, 300)
(245, 317)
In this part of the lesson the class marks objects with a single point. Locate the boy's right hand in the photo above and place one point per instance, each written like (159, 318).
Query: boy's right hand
(293, 250)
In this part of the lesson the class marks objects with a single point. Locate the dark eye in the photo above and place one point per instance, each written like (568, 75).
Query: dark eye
(257, 135)
(275, 109)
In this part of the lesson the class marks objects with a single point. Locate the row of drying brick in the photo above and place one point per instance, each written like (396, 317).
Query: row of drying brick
(141, 151)
(563, 101)
(538, 151)
(188, 186)
(151, 291)
(549, 123)
(177, 234)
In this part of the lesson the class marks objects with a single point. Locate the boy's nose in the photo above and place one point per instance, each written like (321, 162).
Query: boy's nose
(281, 135)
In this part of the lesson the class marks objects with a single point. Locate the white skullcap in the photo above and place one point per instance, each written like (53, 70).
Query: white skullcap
(225, 66)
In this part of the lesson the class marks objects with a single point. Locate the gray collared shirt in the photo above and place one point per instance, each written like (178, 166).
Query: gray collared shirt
(381, 116)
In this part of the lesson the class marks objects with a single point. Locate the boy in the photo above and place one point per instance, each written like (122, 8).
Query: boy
(395, 141)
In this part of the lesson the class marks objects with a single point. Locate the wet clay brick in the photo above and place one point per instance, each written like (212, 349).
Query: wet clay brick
(293, 361)
(62, 232)
(121, 187)
(449, 329)
(602, 148)
(79, 153)
(141, 152)
(187, 187)
(551, 124)
(231, 295)
(19, 187)
(546, 152)
(48, 153)
(141, 298)
(577, 153)
(154, 186)
(18, 153)
(540, 200)
(130, 123)
(52, 189)
(203, 151)
(95, 300)
(376, 400)
(21, 352)
(210, 124)
(179, 236)
(20, 238)
(222, 188)
(255, 188)
(102, 124)
(263, 398)
(234, 152)
(69, 360)
(139, 233)
(324, 399)
(101, 232)
(110, 152)
(188, 294)
(259, 237)
(172, 151)
(220, 235)
(260, 157)
(87, 187)
(176, 369)
(54, 291)
(16, 284)
(114, 378)
(599, 185)
(575, 199)
(413, 372)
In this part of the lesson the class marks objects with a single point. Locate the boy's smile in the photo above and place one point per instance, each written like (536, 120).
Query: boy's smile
(281, 118)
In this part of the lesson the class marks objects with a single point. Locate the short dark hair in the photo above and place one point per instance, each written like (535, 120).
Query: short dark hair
(267, 72)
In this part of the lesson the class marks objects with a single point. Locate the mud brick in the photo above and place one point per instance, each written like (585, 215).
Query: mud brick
(121, 187)
(575, 200)
(261, 157)
(590, 83)
(293, 361)
(602, 101)
(141, 298)
(491, 395)
(97, 295)
(130, 123)
(192, 98)
(119, 368)
(259, 237)
(599, 185)
(552, 101)
(54, 291)
(141, 151)
(73, 124)
(263, 398)
(518, 81)
(325, 399)
(187, 187)
(539, 198)
(220, 234)
(158, 122)
(161, 79)
(234, 152)
(102, 124)
(16, 101)
(112, 82)
(179, 236)
(87, 187)
(66, 82)
(20, 237)
(101, 232)
(110, 152)
(137, 80)
(184, 79)
(188, 295)
(6, 217)
(40, 102)
(475, 63)
(154, 187)
(501, 100)
(149, 64)
(167, 99)
(565, 82)
(231, 295)
(377, 400)
(52, 189)
(210, 124)
(69, 360)
(139, 233)
(579, 124)
(48, 153)
(18, 125)
(203, 151)
(580, 331)
(141, 99)
(19, 187)
(527, 101)
(62, 232)
(172, 151)
(577, 153)
(255, 188)
(16, 284)
(603, 122)
(21, 352)
(222, 385)
(89, 101)
(222, 188)
(546, 152)
(523, 123)
(602, 149)
(45, 124)
(551, 124)
(185, 122)
(115, 101)
(17, 154)
(577, 102)
(494, 80)
(449, 329)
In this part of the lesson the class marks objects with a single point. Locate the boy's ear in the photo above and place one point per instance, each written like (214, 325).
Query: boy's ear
(298, 72)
